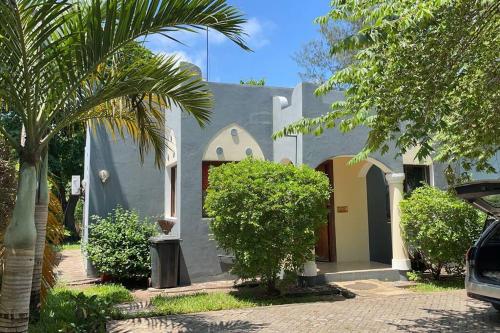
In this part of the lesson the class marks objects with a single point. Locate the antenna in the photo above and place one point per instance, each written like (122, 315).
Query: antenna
(207, 54)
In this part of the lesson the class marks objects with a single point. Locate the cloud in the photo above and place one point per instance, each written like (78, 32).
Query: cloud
(197, 58)
(257, 32)
(255, 29)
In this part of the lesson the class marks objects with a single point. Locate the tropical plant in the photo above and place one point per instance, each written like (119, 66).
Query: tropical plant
(59, 66)
(266, 215)
(440, 227)
(121, 229)
(53, 237)
(426, 74)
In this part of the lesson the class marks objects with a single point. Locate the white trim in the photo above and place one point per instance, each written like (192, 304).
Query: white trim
(401, 264)
(395, 178)
(431, 174)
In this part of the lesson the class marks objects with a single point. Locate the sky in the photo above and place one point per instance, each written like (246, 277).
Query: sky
(276, 29)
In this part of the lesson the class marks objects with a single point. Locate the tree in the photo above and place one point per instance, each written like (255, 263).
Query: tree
(426, 75)
(440, 227)
(315, 57)
(60, 66)
(253, 82)
(266, 215)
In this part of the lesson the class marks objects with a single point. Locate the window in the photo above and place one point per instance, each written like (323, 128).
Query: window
(173, 180)
(205, 168)
(415, 175)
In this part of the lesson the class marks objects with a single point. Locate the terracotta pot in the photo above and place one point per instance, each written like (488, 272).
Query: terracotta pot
(166, 226)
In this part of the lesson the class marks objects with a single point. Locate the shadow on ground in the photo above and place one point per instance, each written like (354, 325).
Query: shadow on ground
(185, 323)
(474, 320)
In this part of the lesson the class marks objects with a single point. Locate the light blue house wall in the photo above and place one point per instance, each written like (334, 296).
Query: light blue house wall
(258, 111)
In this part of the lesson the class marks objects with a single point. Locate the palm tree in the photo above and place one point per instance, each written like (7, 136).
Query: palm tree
(60, 65)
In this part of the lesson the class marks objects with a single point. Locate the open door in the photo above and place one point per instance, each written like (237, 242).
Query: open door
(325, 247)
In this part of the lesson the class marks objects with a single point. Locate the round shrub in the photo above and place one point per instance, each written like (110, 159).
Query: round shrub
(266, 215)
(440, 227)
(118, 244)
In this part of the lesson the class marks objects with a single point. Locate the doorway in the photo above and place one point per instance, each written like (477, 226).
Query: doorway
(325, 248)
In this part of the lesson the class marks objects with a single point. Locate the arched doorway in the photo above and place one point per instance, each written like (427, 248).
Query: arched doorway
(358, 222)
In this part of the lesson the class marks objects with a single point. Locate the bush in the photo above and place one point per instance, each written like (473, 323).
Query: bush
(440, 227)
(266, 215)
(68, 310)
(118, 245)
(8, 183)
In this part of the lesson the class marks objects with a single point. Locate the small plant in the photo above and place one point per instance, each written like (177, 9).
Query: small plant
(118, 244)
(440, 228)
(414, 276)
(266, 215)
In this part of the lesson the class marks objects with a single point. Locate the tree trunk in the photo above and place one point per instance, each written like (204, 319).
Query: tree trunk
(19, 242)
(41, 214)
(69, 217)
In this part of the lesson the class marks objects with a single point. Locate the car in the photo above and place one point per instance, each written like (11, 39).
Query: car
(482, 279)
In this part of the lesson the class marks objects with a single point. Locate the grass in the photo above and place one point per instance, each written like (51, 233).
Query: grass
(71, 246)
(203, 302)
(112, 293)
(73, 310)
(445, 284)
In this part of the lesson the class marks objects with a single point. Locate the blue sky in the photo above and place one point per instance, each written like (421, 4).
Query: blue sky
(276, 28)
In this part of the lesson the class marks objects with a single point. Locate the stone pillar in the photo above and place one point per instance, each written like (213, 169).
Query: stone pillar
(400, 258)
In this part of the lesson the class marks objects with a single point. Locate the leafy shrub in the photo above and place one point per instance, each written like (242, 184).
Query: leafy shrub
(118, 244)
(72, 311)
(266, 215)
(8, 183)
(440, 227)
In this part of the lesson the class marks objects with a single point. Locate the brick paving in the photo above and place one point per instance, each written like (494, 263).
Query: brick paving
(409, 312)
(70, 269)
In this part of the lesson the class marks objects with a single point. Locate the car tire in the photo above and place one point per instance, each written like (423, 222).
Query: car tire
(496, 306)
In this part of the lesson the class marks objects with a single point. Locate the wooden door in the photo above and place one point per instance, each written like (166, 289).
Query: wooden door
(325, 247)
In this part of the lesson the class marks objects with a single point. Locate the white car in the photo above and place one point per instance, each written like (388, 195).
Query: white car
(482, 280)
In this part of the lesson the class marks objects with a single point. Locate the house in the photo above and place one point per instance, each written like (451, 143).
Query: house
(362, 235)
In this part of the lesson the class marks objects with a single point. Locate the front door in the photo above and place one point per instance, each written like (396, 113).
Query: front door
(325, 247)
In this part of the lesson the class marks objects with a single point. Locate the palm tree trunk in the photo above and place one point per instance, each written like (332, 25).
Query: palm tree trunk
(41, 213)
(19, 242)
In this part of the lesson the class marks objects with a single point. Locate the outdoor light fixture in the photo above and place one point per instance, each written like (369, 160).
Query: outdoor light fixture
(234, 132)
(219, 150)
(103, 175)
(249, 151)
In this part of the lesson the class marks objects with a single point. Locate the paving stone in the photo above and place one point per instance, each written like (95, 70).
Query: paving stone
(412, 312)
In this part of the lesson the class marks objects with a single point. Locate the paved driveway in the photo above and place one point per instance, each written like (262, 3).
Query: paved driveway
(431, 312)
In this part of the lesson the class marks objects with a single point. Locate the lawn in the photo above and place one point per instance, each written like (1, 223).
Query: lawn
(202, 302)
(445, 284)
(72, 310)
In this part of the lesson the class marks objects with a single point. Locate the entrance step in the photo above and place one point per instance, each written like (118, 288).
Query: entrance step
(382, 274)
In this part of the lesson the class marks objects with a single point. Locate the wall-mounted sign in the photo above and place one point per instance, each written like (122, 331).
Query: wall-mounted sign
(342, 209)
(75, 185)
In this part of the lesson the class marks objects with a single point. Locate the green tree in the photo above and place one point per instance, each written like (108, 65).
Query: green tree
(440, 227)
(426, 74)
(60, 66)
(266, 215)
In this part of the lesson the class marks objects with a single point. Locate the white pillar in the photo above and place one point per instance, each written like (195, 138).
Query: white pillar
(400, 258)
